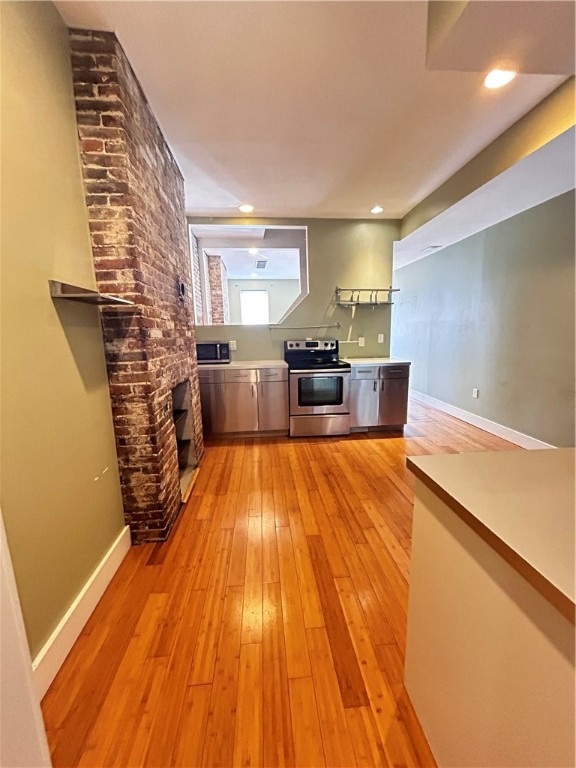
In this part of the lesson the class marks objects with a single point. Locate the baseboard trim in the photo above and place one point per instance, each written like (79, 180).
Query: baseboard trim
(506, 433)
(51, 657)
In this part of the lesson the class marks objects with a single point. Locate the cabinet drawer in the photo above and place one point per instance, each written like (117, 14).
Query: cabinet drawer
(272, 374)
(394, 371)
(240, 375)
(364, 372)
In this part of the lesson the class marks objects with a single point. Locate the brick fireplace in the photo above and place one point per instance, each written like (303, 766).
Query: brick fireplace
(135, 200)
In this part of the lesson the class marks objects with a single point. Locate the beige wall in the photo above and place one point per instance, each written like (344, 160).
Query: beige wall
(496, 312)
(549, 119)
(344, 253)
(55, 413)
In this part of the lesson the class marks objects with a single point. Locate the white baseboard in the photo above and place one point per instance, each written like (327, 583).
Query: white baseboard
(506, 433)
(51, 657)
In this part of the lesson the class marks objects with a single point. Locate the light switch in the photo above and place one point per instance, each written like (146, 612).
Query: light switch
(361, 341)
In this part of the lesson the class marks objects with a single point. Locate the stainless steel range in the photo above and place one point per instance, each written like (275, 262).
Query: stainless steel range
(319, 388)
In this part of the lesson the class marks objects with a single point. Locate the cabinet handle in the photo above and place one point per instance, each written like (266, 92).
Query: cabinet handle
(252, 390)
(262, 390)
(269, 374)
(374, 386)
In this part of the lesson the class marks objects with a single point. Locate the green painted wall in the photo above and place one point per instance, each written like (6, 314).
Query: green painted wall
(345, 253)
(496, 311)
(56, 424)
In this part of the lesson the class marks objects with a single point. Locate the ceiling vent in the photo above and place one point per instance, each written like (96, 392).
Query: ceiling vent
(261, 263)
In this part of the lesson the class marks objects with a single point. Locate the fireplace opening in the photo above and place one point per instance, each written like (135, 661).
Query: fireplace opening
(184, 427)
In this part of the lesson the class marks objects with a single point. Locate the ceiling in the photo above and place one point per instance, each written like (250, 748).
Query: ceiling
(325, 109)
(241, 245)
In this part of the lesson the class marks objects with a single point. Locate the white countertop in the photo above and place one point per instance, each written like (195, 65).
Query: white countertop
(525, 498)
(376, 361)
(243, 364)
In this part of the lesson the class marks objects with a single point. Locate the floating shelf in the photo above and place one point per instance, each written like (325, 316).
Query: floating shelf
(355, 297)
(60, 290)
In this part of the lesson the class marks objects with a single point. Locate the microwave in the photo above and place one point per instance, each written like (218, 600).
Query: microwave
(212, 352)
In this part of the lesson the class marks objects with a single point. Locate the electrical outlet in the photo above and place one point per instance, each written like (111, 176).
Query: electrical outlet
(475, 392)
(380, 338)
(232, 345)
(361, 341)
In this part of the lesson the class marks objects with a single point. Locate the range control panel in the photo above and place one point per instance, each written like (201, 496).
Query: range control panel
(328, 345)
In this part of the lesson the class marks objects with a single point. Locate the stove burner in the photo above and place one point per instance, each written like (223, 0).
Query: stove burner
(313, 355)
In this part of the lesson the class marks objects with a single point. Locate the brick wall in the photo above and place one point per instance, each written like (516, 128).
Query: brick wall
(135, 199)
(218, 284)
(196, 281)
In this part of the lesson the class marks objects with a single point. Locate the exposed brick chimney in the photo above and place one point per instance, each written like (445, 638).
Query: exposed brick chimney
(135, 199)
(218, 282)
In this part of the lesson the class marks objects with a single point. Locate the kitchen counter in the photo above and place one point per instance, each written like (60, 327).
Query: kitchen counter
(243, 364)
(521, 503)
(376, 361)
(490, 641)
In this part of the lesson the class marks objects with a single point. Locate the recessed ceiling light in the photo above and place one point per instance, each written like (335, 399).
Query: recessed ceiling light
(253, 251)
(499, 77)
(376, 209)
(246, 208)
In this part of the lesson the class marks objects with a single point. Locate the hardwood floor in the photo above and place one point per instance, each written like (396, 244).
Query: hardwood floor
(270, 629)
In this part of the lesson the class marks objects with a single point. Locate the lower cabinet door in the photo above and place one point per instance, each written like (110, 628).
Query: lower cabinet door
(364, 396)
(235, 408)
(273, 406)
(393, 402)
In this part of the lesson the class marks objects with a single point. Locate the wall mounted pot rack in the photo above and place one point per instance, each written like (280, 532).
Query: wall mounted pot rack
(59, 290)
(354, 297)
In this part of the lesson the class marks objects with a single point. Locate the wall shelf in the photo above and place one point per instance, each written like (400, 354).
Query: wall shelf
(370, 297)
(59, 290)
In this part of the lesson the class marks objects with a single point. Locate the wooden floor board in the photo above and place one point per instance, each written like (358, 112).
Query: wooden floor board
(270, 629)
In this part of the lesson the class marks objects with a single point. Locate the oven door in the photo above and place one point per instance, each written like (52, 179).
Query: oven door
(319, 392)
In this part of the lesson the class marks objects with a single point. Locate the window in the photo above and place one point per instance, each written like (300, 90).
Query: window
(254, 307)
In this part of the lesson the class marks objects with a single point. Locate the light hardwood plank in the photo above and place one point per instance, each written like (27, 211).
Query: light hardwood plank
(278, 748)
(252, 613)
(352, 688)
(270, 567)
(192, 727)
(366, 743)
(248, 735)
(336, 740)
(297, 661)
(219, 740)
(308, 750)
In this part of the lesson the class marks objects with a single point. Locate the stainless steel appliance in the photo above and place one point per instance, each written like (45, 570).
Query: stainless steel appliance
(319, 391)
(209, 352)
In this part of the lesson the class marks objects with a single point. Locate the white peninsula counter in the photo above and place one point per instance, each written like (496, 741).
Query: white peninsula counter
(490, 648)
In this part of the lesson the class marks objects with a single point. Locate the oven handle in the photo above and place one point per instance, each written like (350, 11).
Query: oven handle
(320, 372)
